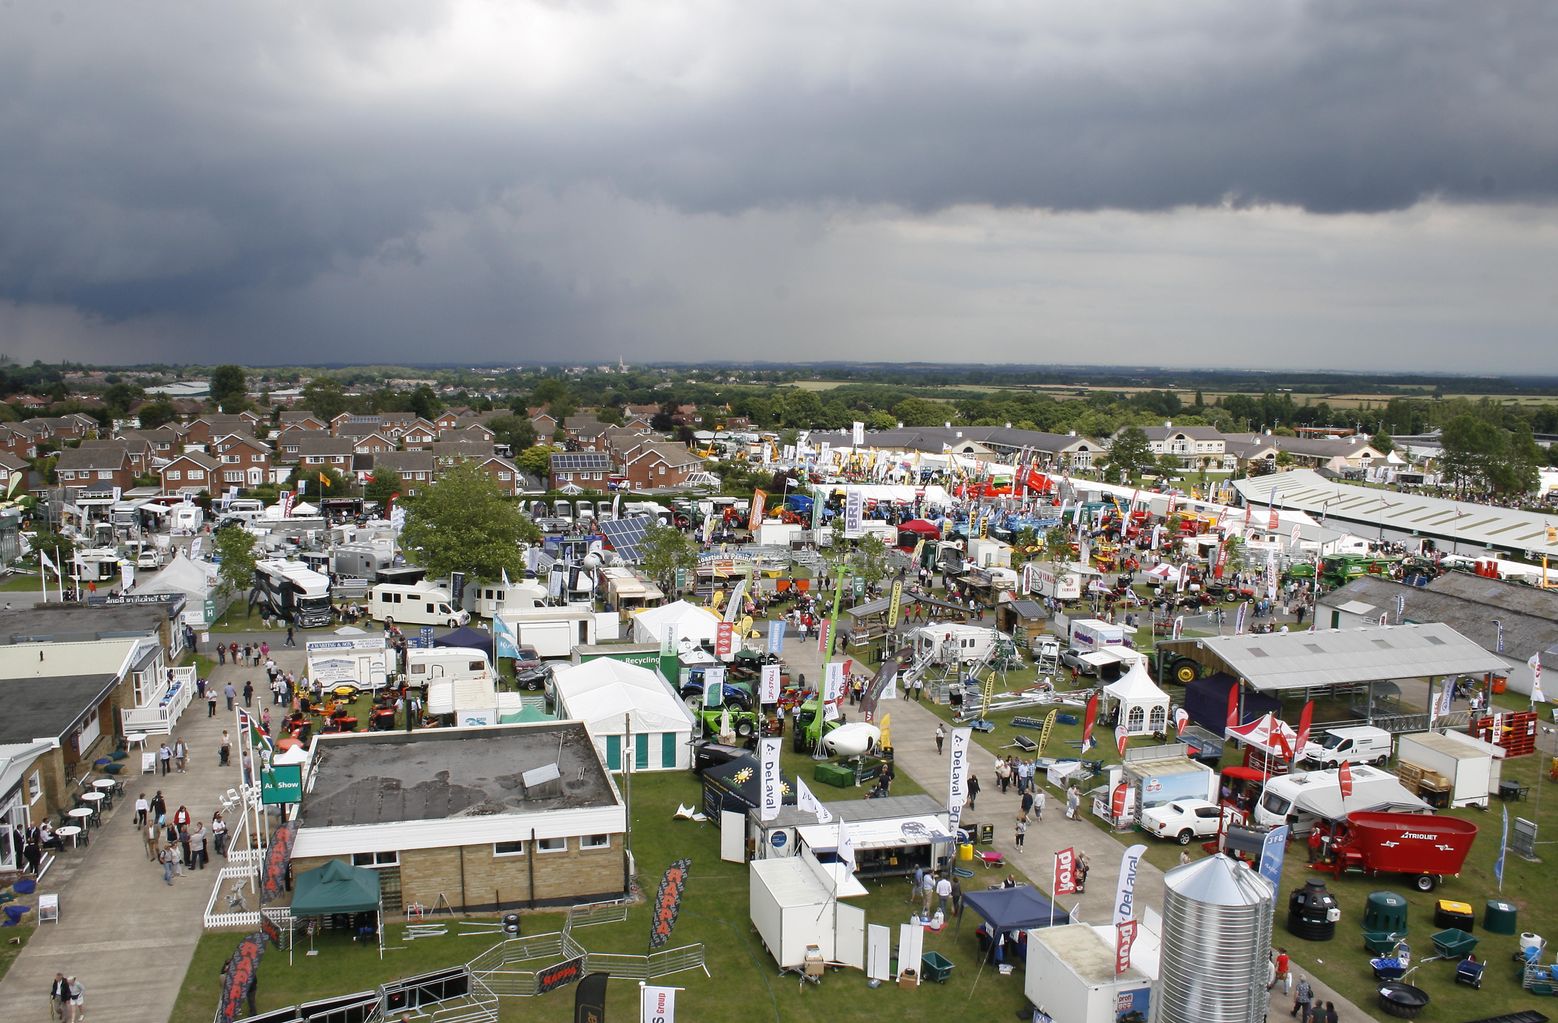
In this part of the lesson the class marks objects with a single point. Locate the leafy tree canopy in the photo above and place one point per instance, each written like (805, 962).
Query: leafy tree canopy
(463, 524)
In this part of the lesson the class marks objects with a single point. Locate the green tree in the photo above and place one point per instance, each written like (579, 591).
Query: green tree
(236, 573)
(801, 409)
(155, 413)
(1382, 443)
(120, 396)
(228, 388)
(513, 431)
(923, 412)
(463, 524)
(384, 484)
(324, 397)
(662, 551)
(1057, 544)
(1130, 454)
(536, 460)
(878, 420)
(869, 560)
(59, 547)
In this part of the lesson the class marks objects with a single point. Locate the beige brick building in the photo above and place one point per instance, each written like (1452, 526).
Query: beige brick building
(505, 817)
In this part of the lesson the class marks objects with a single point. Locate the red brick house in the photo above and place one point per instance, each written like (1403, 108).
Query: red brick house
(419, 436)
(18, 441)
(544, 422)
(246, 462)
(504, 473)
(659, 464)
(95, 468)
(301, 419)
(372, 444)
(335, 452)
(202, 431)
(589, 470)
(415, 468)
(13, 475)
(190, 473)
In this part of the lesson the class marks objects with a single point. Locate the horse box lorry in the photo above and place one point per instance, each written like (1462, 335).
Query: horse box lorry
(1088, 634)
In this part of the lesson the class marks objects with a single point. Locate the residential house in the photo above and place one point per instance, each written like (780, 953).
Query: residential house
(505, 474)
(588, 470)
(468, 428)
(450, 417)
(371, 444)
(139, 451)
(395, 424)
(419, 435)
(639, 415)
(246, 462)
(162, 442)
(95, 468)
(202, 431)
(584, 430)
(659, 464)
(544, 422)
(190, 472)
(18, 440)
(357, 426)
(1252, 454)
(302, 419)
(415, 468)
(446, 453)
(333, 451)
(13, 475)
(686, 415)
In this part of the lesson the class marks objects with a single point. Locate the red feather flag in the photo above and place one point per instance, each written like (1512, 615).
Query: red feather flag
(1233, 705)
(1088, 721)
(1304, 720)
(1344, 778)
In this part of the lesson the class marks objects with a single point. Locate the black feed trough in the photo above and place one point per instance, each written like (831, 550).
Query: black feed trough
(1402, 1000)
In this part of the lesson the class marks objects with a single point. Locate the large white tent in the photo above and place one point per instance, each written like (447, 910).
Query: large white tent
(685, 620)
(1143, 706)
(627, 709)
(197, 580)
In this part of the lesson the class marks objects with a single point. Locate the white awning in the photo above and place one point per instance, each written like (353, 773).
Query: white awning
(893, 833)
(1109, 655)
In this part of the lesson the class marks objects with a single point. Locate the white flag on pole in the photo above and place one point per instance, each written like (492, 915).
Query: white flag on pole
(657, 1004)
(807, 802)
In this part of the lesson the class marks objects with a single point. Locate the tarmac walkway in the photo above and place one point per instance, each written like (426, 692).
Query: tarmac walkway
(126, 936)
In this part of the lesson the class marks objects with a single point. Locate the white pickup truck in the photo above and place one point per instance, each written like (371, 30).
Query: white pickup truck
(1186, 819)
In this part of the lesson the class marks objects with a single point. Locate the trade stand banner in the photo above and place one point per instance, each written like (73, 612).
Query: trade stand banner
(879, 689)
(895, 604)
(668, 902)
(1125, 889)
(957, 777)
(657, 1004)
(1064, 879)
(776, 636)
(770, 684)
(771, 795)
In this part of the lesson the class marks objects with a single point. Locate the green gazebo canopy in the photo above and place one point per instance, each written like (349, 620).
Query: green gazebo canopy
(336, 887)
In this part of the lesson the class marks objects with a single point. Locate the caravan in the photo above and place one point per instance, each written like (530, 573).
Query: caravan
(395, 604)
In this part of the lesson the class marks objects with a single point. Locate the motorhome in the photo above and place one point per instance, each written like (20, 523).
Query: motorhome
(185, 518)
(949, 642)
(487, 599)
(357, 662)
(293, 592)
(1088, 634)
(397, 604)
(1303, 798)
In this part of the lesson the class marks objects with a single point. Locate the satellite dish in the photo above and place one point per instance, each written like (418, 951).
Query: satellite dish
(592, 560)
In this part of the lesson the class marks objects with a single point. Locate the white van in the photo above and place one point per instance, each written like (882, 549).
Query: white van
(396, 604)
(1363, 744)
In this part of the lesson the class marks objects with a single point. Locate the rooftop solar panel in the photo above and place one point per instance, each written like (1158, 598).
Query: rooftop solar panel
(625, 535)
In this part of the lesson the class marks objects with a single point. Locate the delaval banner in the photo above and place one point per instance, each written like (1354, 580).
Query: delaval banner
(1125, 889)
(1272, 851)
(776, 636)
(957, 772)
(771, 797)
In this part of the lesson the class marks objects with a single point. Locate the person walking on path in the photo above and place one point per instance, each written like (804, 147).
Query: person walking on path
(1027, 803)
(142, 808)
(221, 654)
(167, 857)
(1038, 803)
(59, 996)
(941, 737)
(197, 846)
(77, 1006)
(211, 702)
(181, 754)
(248, 694)
(291, 639)
(225, 750)
(165, 758)
(1303, 997)
(231, 694)
(219, 834)
(1022, 831)
(973, 789)
(151, 832)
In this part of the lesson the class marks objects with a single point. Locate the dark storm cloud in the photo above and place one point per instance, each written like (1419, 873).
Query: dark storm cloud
(167, 158)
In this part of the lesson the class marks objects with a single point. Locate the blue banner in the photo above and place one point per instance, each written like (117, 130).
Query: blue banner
(1272, 851)
(776, 636)
(507, 645)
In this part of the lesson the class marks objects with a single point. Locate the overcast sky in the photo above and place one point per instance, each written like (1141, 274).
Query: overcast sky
(1345, 185)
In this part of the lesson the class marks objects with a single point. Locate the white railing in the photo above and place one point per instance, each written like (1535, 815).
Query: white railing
(164, 704)
(220, 916)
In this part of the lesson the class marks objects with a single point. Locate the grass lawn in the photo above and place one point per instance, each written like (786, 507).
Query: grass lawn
(745, 984)
(8, 952)
(23, 583)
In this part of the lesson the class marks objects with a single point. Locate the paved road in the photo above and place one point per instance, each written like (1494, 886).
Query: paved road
(128, 937)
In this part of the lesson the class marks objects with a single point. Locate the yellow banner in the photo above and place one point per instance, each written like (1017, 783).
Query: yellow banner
(893, 607)
(1049, 724)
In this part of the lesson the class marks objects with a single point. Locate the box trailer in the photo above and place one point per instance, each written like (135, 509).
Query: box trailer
(361, 662)
(1469, 768)
(1070, 974)
(1091, 634)
(555, 631)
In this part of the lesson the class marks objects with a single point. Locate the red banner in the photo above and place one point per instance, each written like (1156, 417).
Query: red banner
(759, 498)
(1233, 705)
(724, 639)
(1305, 717)
(1125, 937)
(237, 976)
(1222, 560)
(1344, 778)
(277, 858)
(1272, 522)
(668, 902)
(1088, 721)
(1065, 876)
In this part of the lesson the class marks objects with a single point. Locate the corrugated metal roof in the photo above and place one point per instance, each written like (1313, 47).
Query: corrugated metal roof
(1273, 662)
(1509, 529)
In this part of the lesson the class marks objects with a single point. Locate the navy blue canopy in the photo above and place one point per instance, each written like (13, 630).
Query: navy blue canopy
(481, 639)
(1014, 909)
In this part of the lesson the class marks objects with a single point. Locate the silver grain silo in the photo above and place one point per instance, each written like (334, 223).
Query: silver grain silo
(1216, 937)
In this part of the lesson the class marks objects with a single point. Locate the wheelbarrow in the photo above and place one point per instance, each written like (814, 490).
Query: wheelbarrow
(1381, 943)
(935, 967)
(1469, 971)
(1388, 967)
(1453, 944)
